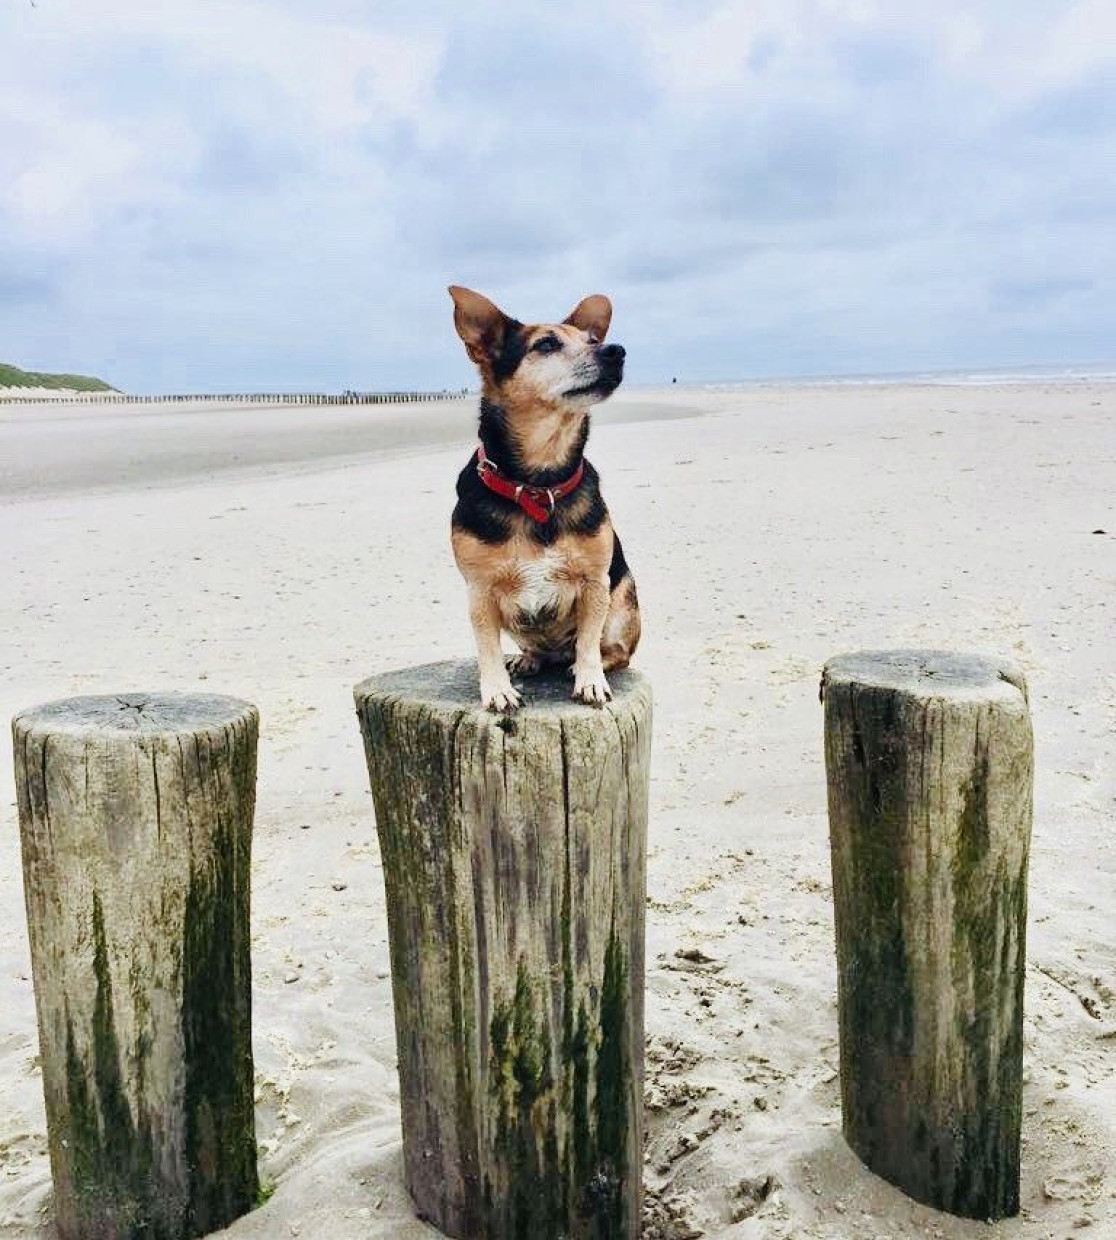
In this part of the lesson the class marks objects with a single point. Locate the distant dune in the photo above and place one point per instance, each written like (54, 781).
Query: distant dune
(13, 377)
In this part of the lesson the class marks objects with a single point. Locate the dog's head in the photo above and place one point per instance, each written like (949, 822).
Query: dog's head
(556, 366)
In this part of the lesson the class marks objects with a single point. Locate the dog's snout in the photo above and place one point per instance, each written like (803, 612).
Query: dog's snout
(612, 353)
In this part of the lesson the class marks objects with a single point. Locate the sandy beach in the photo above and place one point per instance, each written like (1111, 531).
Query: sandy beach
(282, 555)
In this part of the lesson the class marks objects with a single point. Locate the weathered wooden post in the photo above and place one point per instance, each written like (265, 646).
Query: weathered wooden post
(136, 822)
(514, 855)
(929, 762)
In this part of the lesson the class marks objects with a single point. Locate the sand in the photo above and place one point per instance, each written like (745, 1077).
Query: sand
(282, 555)
(82, 449)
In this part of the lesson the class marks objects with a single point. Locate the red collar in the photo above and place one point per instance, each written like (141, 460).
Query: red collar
(530, 498)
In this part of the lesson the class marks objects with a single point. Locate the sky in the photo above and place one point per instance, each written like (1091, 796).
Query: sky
(273, 195)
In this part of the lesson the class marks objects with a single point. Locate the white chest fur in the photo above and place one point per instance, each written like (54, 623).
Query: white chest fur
(540, 583)
(540, 610)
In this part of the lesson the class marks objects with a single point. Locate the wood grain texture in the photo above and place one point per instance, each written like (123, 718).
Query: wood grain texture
(514, 852)
(136, 825)
(930, 770)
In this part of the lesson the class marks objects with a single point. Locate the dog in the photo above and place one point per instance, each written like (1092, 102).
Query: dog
(531, 534)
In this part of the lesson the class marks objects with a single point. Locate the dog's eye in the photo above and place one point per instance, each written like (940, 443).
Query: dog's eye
(548, 344)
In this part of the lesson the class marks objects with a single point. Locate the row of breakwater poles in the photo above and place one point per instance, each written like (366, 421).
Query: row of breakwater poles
(514, 861)
(249, 398)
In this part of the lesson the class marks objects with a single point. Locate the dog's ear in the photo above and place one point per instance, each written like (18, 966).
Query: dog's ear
(593, 315)
(480, 323)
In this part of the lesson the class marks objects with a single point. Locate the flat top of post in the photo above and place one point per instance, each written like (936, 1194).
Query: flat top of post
(454, 686)
(929, 673)
(142, 713)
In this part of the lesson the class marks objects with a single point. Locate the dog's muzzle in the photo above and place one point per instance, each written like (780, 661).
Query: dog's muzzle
(610, 358)
(610, 362)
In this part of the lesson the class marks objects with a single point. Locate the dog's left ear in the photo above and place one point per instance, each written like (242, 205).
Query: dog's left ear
(593, 315)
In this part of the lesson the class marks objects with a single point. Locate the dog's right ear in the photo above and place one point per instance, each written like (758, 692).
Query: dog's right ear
(480, 323)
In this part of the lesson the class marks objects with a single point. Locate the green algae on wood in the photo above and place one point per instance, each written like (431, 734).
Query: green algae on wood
(136, 822)
(929, 765)
(514, 868)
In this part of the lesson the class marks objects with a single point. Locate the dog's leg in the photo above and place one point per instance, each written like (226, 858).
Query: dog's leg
(526, 663)
(590, 685)
(621, 630)
(496, 689)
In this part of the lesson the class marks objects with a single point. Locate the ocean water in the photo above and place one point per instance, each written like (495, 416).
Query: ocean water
(1093, 372)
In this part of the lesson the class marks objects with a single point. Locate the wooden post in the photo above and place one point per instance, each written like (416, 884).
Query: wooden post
(514, 855)
(136, 822)
(929, 762)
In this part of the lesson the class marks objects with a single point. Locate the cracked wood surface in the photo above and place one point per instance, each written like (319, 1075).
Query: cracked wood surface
(930, 771)
(136, 825)
(514, 853)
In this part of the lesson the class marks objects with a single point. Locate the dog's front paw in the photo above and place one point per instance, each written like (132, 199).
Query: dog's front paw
(500, 696)
(524, 664)
(591, 687)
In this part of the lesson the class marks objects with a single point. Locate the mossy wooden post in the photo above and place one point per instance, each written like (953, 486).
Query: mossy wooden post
(929, 762)
(136, 823)
(514, 855)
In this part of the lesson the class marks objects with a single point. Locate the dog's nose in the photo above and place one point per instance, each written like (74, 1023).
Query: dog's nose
(612, 353)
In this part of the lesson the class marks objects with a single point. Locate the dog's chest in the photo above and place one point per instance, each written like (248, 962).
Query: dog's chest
(541, 586)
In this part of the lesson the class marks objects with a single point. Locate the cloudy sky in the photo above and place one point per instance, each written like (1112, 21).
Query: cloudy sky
(274, 194)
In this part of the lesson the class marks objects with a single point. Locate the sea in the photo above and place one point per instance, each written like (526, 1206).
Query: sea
(1092, 372)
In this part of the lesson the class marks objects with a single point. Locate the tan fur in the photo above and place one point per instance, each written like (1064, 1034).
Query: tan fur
(479, 322)
(622, 628)
(543, 426)
(499, 573)
(592, 314)
(594, 630)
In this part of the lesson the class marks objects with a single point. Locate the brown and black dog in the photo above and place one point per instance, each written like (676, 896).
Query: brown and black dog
(531, 533)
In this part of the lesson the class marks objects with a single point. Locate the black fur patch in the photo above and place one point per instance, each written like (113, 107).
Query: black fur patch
(618, 569)
(513, 349)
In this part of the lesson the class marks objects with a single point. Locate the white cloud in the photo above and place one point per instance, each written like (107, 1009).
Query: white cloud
(72, 172)
(260, 192)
